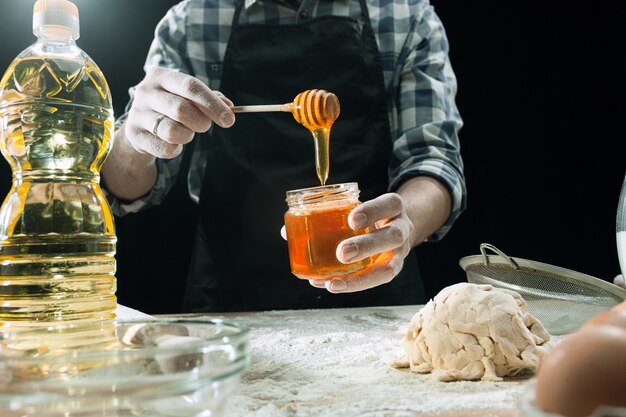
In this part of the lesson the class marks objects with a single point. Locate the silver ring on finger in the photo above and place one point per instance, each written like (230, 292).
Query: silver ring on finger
(155, 125)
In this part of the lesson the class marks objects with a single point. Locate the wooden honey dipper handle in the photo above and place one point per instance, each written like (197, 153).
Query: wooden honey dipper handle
(288, 107)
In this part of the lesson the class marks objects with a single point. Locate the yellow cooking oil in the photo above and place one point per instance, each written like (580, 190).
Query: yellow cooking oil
(57, 236)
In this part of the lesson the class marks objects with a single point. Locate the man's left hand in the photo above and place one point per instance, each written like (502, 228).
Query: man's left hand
(389, 241)
(397, 222)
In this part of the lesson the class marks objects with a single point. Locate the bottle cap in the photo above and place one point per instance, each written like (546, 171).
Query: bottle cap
(56, 18)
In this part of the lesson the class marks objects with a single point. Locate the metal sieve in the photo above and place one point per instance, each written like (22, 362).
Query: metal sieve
(560, 298)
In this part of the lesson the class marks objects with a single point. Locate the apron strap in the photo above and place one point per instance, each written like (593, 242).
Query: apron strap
(239, 5)
(365, 14)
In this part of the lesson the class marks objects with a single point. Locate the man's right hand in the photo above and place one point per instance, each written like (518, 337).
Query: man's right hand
(169, 107)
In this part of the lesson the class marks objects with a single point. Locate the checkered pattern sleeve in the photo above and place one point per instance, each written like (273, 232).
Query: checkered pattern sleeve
(428, 122)
(168, 50)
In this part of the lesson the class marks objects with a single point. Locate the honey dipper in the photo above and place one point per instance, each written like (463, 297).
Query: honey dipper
(314, 109)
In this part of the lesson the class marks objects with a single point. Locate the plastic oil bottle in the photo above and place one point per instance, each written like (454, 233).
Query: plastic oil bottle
(57, 236)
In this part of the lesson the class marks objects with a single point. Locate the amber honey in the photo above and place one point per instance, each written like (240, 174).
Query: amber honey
(321, 137)
(316, 222)
(317, 110)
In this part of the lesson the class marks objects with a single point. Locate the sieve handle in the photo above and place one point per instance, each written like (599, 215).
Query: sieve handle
(483, 250)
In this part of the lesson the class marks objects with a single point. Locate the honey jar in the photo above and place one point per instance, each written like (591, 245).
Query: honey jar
(316, 222)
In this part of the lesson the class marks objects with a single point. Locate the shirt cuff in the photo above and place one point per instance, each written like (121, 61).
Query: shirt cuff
(154, 197)
(449, 177)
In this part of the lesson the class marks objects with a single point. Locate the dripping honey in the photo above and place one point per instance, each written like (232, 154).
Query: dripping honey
(317, 110)
(321, 138)
(317, 221)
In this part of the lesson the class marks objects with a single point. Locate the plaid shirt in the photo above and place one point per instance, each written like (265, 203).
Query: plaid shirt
(421, 85)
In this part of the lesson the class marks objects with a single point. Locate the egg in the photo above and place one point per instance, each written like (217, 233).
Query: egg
(611, 318)
(585, 370)
(620, 306)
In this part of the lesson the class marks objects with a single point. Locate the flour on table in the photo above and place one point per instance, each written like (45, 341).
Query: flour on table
(470, 332)
(335, 363)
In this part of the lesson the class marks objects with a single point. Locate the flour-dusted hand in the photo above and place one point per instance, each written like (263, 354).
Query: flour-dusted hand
(389, 241)
(169, 107)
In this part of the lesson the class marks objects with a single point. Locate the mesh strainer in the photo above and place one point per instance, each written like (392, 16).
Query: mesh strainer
(560, 298)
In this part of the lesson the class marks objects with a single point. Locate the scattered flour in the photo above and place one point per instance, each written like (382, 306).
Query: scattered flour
(337, 363)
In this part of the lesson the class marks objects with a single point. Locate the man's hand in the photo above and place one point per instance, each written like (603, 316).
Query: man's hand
(397, 223)
(389, 241)
(169, 107)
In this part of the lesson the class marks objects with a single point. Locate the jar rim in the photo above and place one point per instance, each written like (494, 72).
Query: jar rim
(324, 188)
(321, 192)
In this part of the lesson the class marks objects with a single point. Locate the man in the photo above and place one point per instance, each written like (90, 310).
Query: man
(396, 136)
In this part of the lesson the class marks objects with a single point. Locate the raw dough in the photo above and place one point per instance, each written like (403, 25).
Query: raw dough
(471, 331)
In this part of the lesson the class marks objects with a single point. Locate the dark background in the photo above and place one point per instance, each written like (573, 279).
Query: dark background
(541, 86)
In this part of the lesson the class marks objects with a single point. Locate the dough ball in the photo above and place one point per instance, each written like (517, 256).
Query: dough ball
(470, 332)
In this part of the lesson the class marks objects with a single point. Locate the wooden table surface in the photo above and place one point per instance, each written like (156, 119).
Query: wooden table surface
(335, 362)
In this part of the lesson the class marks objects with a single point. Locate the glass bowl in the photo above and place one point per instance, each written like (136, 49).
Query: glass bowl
(122, 368)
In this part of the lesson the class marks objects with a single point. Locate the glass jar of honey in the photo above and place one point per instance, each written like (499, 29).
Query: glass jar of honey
(316, 222)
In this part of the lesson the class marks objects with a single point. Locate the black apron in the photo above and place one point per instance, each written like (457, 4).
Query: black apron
(240, 261)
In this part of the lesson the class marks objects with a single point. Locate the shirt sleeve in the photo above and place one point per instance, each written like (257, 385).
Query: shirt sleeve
(428, 120)
(168, 50)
